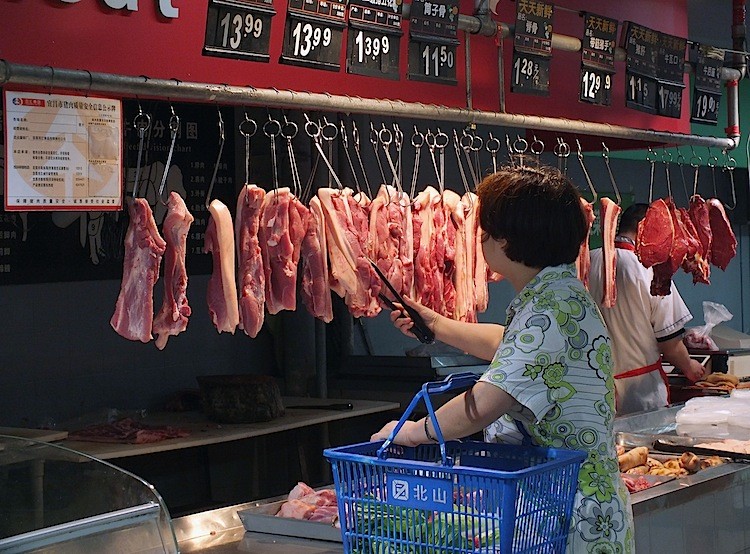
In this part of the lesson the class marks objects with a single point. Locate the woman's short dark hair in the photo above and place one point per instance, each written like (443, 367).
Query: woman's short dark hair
(537, 211)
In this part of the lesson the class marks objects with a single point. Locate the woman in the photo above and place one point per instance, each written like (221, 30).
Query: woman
(550, 380)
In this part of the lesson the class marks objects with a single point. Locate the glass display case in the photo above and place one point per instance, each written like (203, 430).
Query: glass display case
(57, 500)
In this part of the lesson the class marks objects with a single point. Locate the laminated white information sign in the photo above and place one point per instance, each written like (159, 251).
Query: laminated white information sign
(62, 152)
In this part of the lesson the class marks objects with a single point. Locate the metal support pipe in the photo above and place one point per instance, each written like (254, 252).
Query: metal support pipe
(144, 87)
(733, 111)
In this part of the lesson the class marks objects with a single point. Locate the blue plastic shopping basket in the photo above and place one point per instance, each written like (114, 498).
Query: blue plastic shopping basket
(458, 497)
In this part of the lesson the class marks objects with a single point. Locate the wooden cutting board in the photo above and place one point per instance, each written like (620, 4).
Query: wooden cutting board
(42, 435)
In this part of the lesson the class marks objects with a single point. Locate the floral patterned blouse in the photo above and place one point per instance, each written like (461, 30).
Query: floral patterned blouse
(555, 360)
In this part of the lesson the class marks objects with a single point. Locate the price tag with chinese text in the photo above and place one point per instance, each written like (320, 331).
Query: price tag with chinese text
(433, 39)
(706, 84)
(239, 29)
(598, 59)
(313, 34)
(374, 38)
(532, 47)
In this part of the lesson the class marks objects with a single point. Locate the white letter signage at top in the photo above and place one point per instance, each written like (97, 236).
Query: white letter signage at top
(165, 6)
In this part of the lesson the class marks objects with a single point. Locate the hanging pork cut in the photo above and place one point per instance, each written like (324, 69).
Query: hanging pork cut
(347, 228)
(661, 285)
(250, 272)
(144, 248)
(391, 234)
(655, 234)
(609, 214)
(694, 261)
(583, 261)
(476, 267)
(457, 277)
(724, 243)
(698, 211)
(172, 318)
(428, 282)
(283, 225)
(222, 288)
(316, 294)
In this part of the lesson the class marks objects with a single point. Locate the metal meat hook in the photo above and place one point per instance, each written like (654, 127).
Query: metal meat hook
(174, 127)
(218, 158)
(605, 155)
(141, 123)
(586, 173)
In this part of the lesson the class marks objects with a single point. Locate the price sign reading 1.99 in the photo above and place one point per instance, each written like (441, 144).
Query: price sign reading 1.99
(432, 41)
(374, 38)
(598, 59)
(239, 29)
(532, 47)
(313, 34)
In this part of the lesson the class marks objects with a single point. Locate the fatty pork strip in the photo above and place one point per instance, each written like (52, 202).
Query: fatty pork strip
(351, 276)
(609, 215)
(251, 275)
(144, 248)
(476, 276)
(283, 224)
(583, 262)
(428, 283)
(316, 294)
(391, 236)
(172, 318)
(222, 288)
(724, 243)
(456, 264)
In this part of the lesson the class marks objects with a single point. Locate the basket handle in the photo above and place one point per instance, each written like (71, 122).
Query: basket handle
(451, 382)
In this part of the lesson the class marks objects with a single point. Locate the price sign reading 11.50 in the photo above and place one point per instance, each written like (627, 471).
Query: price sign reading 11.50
(313, 34)
(432, 46)
(239, 29)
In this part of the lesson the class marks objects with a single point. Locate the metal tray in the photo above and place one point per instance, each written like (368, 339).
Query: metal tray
(262, 519)
(684, 444)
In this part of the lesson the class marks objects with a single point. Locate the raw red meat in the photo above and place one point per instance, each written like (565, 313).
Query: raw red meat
(351, 275)
(724, 243)
(300, 489)
(609, 213)
(144, 248)
(661, 285)
(698, 211)
(222, 288)
(316, 294)
(635, 484)
(282, 228)
(325, 514)
(251, 276)
(583, 262)
(296, 509)
(172, 319)
(694, 262)
(391, 235)
(428, 283)
(127, 431)
(476, 268)
(655, 234)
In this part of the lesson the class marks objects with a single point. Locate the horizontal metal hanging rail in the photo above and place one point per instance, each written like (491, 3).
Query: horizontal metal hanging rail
(173, 89)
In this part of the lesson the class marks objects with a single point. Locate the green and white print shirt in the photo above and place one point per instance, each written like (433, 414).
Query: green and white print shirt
(555, 359)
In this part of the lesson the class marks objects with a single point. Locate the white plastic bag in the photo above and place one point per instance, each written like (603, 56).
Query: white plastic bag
(699, 337)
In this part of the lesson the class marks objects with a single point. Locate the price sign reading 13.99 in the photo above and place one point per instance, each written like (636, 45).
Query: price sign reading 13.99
(313, 34)
(374, 38)
(238, 29)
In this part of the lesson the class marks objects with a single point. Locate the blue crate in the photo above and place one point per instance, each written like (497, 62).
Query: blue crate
(458, 497)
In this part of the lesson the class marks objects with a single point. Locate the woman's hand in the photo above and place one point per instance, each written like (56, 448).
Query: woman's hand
(403, 322)
(406, 435)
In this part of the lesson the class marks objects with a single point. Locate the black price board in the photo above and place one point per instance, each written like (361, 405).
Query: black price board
(374, 43)
(239, 29)
(433, 28)
(46, 247)
(670, 75)
(533, 32)
(532, 47)
(530, 74)
(706, 84)
(641, 46)
(598, 59)
(313, 34)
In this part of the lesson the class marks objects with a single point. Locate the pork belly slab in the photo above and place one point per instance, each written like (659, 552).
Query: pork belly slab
(144, 248)
(172, 318)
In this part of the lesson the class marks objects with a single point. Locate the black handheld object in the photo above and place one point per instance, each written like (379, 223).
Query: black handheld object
(423, 333)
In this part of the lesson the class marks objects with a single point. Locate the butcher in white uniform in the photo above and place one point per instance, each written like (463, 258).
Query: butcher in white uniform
(642, 327)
